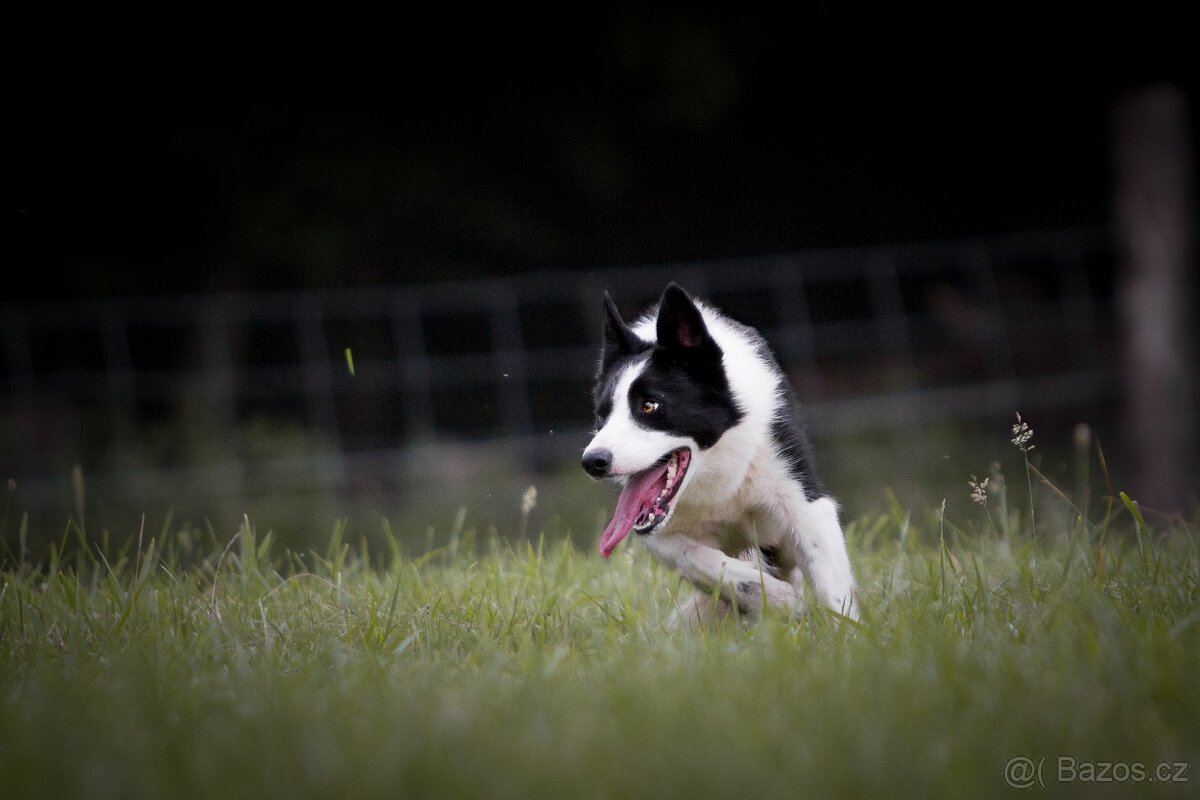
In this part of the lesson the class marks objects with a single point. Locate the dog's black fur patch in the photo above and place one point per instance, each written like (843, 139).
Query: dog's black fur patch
(793, 447)
(788, 430)
(770, 554)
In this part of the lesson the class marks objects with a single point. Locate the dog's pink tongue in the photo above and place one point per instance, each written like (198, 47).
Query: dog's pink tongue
(639, 492)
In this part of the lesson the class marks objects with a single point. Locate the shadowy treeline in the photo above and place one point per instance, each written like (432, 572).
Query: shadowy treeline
(495, 147)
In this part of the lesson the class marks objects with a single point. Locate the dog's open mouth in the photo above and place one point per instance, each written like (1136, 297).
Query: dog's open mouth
(646, 500)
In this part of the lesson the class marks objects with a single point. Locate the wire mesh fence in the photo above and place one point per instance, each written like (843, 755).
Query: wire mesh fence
(196, 388)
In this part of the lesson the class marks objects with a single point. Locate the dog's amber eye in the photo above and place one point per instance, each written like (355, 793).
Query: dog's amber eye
(649, 407)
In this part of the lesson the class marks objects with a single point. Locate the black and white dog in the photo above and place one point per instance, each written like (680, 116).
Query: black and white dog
(699, 424)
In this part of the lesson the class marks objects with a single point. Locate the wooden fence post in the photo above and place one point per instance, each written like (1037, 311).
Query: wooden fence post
(1156, 218)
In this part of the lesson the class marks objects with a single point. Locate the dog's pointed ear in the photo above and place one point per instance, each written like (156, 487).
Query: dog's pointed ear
(619, 340)
(680, 324)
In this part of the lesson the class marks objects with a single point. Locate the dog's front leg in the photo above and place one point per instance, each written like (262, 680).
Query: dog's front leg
(712, 572)
(819, 545)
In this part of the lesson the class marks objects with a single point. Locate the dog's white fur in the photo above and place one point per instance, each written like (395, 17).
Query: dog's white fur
(737, 495)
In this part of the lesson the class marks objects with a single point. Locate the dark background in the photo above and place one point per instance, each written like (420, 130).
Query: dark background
(514, 141)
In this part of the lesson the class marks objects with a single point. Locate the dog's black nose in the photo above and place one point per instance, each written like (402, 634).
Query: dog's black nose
(597, 462)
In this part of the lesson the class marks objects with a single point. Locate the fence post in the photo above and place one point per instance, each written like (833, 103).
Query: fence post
(1156, 214)
(412, 364)
(319, 402)
(511, 371)
(119, 371)
(220, 380)
(20, 360)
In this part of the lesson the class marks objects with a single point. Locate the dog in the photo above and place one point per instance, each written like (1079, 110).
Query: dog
(698, 423)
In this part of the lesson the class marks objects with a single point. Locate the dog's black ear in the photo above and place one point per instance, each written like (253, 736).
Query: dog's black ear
(619, 340)
(680, 324)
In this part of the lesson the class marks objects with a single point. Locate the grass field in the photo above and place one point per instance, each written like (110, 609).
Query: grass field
(175, 666)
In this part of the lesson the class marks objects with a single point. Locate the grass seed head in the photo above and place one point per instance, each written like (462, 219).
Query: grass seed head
(1021, 434)
(979, 490)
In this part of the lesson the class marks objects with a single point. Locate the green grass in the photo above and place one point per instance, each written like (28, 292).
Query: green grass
(180, 668)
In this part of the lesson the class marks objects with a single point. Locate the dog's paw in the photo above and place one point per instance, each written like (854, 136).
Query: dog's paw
(753, 596)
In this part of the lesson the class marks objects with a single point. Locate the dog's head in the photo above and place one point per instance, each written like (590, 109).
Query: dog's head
(660, 404)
